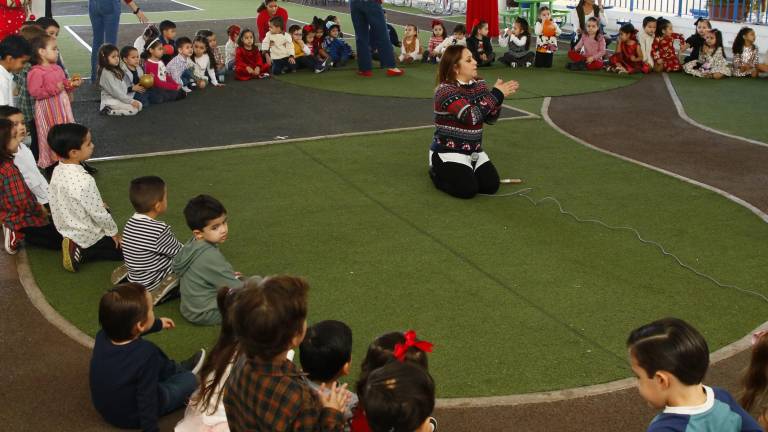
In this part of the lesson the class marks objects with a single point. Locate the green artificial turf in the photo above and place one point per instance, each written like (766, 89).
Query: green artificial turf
(516, 298)
(730, 105)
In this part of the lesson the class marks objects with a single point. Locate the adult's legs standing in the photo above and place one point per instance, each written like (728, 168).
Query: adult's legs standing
(375, 17)
(105, 21)
(362, 41)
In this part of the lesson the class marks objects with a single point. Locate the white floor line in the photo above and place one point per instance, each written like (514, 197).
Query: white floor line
(78, 38)
(424, 15)
(284, 141)
(187, 5)
(683, 115)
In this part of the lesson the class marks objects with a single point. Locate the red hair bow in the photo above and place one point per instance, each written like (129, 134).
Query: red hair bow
(436, 22)
(410, 341)
(308, 28)
(475, 23)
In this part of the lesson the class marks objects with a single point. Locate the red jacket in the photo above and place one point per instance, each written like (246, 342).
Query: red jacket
(262, 21)
(247, 58)
(163, 79)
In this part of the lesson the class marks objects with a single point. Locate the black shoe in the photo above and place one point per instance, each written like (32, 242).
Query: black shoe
(569, 66)
(107, 110)
(194, 363)
(90, 169)
(581, 66)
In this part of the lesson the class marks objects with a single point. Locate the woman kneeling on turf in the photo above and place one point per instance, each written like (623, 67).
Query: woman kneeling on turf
(457, 163)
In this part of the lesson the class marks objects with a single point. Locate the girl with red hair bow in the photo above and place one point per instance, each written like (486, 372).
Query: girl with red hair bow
(438, 35)
(628, 57)
(13, 13)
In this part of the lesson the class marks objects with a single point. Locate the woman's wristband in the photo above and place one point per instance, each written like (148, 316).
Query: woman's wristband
(136, 12)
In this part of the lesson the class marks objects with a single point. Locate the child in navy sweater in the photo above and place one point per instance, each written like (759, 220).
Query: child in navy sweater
(133, 382)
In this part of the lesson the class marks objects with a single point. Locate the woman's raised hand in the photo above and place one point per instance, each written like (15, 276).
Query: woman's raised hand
(507, 88)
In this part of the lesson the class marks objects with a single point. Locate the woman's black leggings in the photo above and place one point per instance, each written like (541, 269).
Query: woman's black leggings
(464, 180)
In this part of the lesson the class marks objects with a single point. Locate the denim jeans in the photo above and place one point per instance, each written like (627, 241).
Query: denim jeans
(143, 98)
(368, 18)
(175, 390)
(105, 20)
(282, 65)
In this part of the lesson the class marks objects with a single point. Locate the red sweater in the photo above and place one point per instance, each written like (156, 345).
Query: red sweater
(247, 58)
(262, 21)
(163, 79)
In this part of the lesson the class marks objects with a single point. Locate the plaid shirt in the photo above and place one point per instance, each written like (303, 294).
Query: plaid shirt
(219, 58)
(26, 103)
(18, 206)
(275, 396)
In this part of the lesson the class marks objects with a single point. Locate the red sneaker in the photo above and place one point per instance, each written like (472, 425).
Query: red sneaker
(395, 72)
(366, 74)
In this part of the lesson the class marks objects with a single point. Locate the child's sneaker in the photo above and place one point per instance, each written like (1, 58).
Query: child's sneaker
(11, 241)
(194, 363)
(264, 75)
(513, 65)
(119, 274)
(186, 89)
(166, 289)
(528, 64)
(72, 254)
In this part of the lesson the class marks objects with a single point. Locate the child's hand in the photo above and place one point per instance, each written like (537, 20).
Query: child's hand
(590, 59)
(336, 399)
(256, 70)
(218, 85)
(118, 239)
(138, 88)
(76, 81)
(167, 323)
(291, 60)
(136, 104)
(249, 70)
(60, 86)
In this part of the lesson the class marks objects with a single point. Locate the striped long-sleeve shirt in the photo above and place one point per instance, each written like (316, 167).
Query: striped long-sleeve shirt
(148, 249)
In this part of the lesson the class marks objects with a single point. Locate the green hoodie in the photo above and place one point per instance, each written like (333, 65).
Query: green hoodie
(202, 270)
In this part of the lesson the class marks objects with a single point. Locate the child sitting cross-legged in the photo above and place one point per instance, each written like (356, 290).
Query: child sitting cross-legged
(149, 244)
(78, 211)
(400, 397)
(164, 88)
(203, 60)
(589, 51)
(280, 47)
(200, 265)
(338, 50)
(517, 40)
(133, 382)
(116, 99)
(181, 67)
(670, 359)
(326, 356)
(265, 390)
(233, 36)
(248, 61)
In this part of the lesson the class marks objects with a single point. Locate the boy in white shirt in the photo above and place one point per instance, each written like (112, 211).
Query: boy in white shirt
(280, 47)
(14, 52)
(24, 159)
(78, 211)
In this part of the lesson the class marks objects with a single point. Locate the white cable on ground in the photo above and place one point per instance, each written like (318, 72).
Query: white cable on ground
(536, 202)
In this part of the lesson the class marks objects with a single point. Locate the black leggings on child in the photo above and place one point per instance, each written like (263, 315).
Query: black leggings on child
(45, 236)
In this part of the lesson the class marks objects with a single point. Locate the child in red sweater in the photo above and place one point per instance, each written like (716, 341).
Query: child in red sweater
(628, 57)
(165, 89)
(248, 61)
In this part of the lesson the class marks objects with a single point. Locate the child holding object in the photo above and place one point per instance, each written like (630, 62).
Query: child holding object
(164, 88)
(547, 32)
(517, 40)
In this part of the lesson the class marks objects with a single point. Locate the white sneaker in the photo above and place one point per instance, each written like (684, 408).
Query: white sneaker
(10, 241)
(186, 89)
(513, 65)
(528, 64)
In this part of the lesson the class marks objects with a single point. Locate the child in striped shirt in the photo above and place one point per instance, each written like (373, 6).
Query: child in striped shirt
(149, 244)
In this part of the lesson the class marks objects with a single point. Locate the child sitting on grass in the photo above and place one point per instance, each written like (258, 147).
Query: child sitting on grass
(164, 89)
(457, 38)
(480, 45)
(745, 54)
(181, 66)
(646, 38)
(79, 213)
(326, 356)
(116, 100)
(400, 397)
(711, 62)
(149, 244)
(133, 382)
(20, 213)
(438, 33)
(411, 50)
(670, 359)
(280, 47)
(167, 38)
(203, 61)
(628, 58)
(338, 50)
(132, 73)
(517, 40)
(589, 50)
(665, 57)
(200, 265)
(217, 57)
(266, 391)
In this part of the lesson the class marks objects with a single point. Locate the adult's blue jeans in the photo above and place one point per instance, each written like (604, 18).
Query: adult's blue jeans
(368, 20)
(105, 20)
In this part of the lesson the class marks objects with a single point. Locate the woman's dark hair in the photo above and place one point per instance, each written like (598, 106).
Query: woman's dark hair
(661, 25)
(648, 19)
(523, 23)
(262, 7)
(477, 27)
(673, 346)
(202, 209)
(326, 348)
(755, 379)
(381, 352)
(6, 135)
(105, 51)
(222, 355)
(208, 50)
(243, 33)
(580, 13)
(399, 397)
(16, 46)
(738, 41)
(38, 43)
(121, 308)
(66, 137)
(446, 70)
(269, 314)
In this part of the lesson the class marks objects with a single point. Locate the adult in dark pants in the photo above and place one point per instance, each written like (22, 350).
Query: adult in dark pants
(105, 21)
(369, 23)
(458, 165)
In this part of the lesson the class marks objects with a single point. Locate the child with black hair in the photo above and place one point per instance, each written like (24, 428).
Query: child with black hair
(29, 31)
(670, 359)
(331, 20)
(50, 88)
(22, 217)
(480, 45)
(15, 51)
(248, 61)
(665, 56)
(546, 31)
(753, 396)
(200, 265)
(400, 397)
(317, 44)
(326, 356)
(517, 40)
(133, 382)
(148, 243)
(745, 54)
(130, 64)
(338, 50)
(645, 39)
(628, 57)
(116, 100)
(589, 50)
(165, 88)
(216, 56)
(711, 62)
(438, 34)
(203, 61)
(23, 158)
(387, 348)
(168, 39)
(78, 211)
(696, 40)
(302, 52)
(457, 38)
(182, 67)
(150, 33)
(266, 391)
(280, 47)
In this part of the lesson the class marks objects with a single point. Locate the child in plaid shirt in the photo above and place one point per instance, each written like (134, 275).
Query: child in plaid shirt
(265, 390)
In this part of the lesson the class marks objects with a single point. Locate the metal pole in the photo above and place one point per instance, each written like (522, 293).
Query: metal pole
(679, 7)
